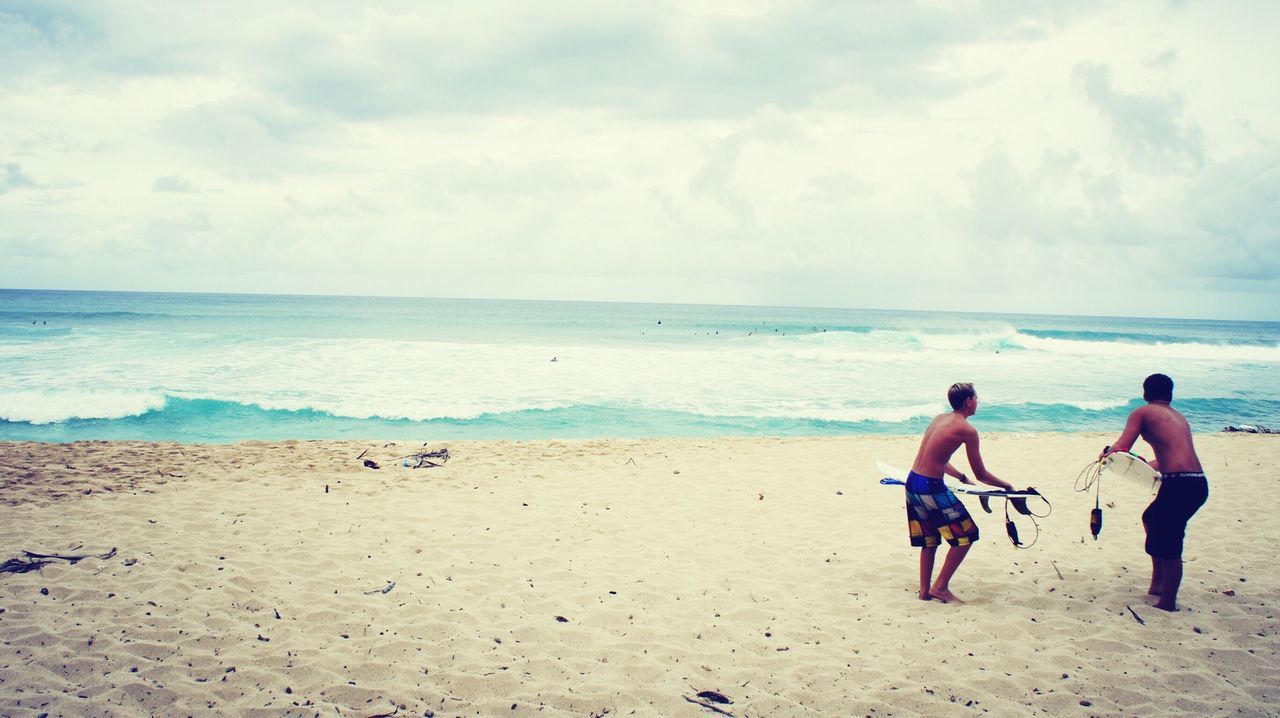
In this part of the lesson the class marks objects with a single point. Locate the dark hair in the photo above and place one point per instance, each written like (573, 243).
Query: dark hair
(1157, 387)
(959, 393)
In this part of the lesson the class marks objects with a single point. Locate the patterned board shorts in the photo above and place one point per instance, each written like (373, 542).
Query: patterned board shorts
(934, 513)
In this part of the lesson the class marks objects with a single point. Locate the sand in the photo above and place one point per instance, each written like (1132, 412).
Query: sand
(613, 578)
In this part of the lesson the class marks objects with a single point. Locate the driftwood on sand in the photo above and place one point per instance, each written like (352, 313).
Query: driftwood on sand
(426, 459)
(1249, 429)
(32, 561)
(417, 460)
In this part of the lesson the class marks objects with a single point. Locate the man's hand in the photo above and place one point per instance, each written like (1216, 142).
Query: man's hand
(964, 479)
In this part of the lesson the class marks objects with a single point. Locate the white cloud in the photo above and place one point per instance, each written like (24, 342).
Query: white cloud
(172, 183)
(1236, 204)
(1150, 128)
(12, 177)
(1049, 157)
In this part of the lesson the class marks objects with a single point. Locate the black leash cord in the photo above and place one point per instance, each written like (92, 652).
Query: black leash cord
(1091, 475)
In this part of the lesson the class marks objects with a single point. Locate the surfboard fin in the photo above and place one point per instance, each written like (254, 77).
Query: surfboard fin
(1020, 502)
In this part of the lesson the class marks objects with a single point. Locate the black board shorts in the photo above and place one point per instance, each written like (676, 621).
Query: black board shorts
(1181, 495)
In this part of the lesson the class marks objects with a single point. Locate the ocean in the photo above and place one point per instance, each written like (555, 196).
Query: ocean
(225, 367)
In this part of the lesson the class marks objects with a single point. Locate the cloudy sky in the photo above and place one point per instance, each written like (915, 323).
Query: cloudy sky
(1080, 158)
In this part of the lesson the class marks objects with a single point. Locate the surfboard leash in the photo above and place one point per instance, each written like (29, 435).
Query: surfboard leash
(1090, 477)
(1019, 505)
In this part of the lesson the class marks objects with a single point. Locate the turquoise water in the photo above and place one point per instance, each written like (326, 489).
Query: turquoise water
(218, 368)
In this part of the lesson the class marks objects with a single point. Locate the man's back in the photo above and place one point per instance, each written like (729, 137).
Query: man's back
(945, 434)
(1169, 434)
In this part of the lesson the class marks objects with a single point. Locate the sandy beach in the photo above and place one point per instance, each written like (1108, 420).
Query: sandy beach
(614, 578)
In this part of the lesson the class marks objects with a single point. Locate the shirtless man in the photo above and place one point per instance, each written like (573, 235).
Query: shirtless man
(1183, 486)
(933, 511)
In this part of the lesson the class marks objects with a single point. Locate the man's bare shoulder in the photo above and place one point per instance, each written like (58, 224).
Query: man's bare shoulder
(1165, 414)
(1142, 412)
(1157, 413)
(957, 426)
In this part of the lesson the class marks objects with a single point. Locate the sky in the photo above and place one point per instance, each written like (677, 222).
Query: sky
(1041, 157)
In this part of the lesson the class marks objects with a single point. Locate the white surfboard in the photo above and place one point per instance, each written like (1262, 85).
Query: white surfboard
(891, 472)
(1129, 465)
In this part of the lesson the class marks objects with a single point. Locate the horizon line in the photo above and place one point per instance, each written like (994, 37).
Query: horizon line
(319, 295)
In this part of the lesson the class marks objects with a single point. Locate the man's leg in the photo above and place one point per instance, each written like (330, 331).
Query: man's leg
(1191, 498)
(1170, 570)
(927, 554)
(940, 589)
(1157, 578)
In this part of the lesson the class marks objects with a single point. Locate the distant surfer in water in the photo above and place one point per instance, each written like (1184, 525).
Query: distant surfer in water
(933, 511)
(1183, 486)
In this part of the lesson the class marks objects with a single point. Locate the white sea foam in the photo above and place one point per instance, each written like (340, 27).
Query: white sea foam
(1095, 405)
(879, 376)
(1158, 350)
(50, 406)
(985, 338)
(888, 414)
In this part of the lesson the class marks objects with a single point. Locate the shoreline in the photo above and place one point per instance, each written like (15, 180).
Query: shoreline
(372, 442)
(287, 578)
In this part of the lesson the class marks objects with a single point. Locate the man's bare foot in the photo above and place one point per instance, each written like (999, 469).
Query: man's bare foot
(944, 595)
(1169, 606)
(926, 597)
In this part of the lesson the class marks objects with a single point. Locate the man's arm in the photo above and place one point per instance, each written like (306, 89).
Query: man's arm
(1132, 429)
(957, 473)
(975, 462)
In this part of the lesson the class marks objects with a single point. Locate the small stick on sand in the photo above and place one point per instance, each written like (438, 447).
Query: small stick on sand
(1136, 617)
(1055, 568)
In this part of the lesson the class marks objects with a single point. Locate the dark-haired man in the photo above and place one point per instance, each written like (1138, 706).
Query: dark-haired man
(1183, 486)
(933, 511)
